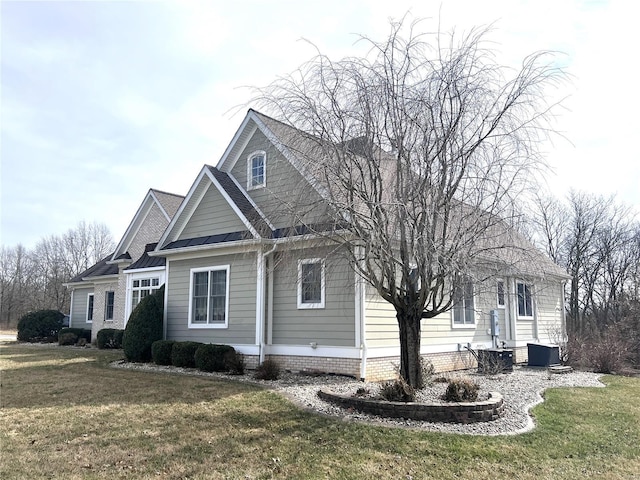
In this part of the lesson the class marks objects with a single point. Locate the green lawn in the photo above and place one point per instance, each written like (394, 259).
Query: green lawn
(66, 414)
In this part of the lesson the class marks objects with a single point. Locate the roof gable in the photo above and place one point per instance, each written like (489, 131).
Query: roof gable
(166, 203)
(210, 177)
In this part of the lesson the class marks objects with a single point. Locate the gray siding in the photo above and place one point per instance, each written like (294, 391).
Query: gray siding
(286, 191)
(333, 325)
(79, 312)
(242, 300)
(212, 216)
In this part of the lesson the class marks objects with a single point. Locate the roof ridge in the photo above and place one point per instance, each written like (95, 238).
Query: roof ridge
(166, 193)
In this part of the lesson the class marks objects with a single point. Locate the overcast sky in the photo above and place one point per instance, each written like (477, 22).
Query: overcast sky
(103, 100)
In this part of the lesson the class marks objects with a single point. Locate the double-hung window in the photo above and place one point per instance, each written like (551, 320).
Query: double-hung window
(209, 297)
(464, 314)
(311, 284)
(256, 170)
(90, 308)
(501, 299)
(109, 301)
(525, 302)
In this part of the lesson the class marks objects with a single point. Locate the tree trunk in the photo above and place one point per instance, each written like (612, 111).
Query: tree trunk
(410, 365)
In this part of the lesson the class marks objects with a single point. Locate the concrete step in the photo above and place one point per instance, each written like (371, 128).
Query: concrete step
(560, 369)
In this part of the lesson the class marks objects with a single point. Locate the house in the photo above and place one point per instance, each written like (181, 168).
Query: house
(104, 295)
(240, 268)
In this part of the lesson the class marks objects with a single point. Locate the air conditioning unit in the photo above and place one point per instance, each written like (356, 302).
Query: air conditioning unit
(495, 360)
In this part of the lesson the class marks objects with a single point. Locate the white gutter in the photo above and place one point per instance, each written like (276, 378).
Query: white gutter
(263, 277)
(207, 246)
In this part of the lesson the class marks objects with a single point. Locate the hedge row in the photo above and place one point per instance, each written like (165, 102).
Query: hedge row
(203, 356)
(109, 338)
(40, 326)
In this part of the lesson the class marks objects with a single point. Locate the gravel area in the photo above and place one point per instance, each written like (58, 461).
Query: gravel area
(521, 390)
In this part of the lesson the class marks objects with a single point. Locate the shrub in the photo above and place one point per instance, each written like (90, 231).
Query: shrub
(609, 353)
(161, 351)
(234, 362)
(183, 354)
(428, 371)
(40, 326)
(397, 391)
(109, 338)
(78, 332)
(211, 357)
(144, 327)
(461, 390)
(268, 370)
(67, 338)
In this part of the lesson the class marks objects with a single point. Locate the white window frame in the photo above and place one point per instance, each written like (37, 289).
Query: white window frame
(307, 261)
(257, 153)
(106, 306)
(93, 307)
(463, 325)
(158, 273)
(215, 268)
(530, 287)
(504, 293)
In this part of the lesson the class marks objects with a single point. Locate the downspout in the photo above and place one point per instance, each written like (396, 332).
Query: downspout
(361, 321)
(563, 327)
(262, 279)
(166, 298)
(71, 309)
(536, 326)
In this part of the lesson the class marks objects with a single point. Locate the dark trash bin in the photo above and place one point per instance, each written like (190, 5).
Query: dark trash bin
(543, 355)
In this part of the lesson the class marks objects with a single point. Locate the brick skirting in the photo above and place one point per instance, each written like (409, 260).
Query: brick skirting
(484, 411)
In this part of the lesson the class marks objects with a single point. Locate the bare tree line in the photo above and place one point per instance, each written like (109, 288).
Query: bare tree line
(597, 239)
(32, 279)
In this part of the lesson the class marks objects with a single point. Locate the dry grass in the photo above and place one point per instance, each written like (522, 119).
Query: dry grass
(66, 414)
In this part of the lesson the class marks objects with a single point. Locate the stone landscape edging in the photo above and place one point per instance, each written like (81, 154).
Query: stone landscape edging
(463, 412)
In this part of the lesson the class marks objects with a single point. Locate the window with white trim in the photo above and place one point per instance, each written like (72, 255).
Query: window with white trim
(311, 283)
(256, 170)
(500, 295)
(109, 302)
(463, 303)
(89, 307)
(142, 287)
(209, 297)
(525, 301)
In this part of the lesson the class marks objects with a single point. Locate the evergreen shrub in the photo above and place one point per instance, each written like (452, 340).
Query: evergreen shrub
(144, 327)
(211, 357)
(183, 354)
(109, 338)
(78, 332)
(161, 351)
(40, 326)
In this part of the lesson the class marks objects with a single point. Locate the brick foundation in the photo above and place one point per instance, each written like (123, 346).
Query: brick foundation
(342, 366)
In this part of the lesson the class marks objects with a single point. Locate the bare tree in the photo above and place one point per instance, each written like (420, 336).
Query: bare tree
(422, 151)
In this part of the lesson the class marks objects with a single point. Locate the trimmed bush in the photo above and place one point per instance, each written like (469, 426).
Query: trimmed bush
(183, 354)
(161, 351)
(144, 327)
(78, 332)
(109, 338)
(40, 326)
(211, 357)
(268, 370)
(235, 363)
(461, 390)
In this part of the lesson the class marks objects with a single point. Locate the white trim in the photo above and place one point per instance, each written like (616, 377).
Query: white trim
(164, 212)
(250, 158)
(166, 299)
(102, 278)
(309, 351)
(199, 251)
(71, 309)
(259, 298)
(253, 204)
(232, 204)
(141, 274)
(93, 308)
(310, 261)
(142, 270)
(226, 156)
(246, 349)
(210, 269)
(106, 304)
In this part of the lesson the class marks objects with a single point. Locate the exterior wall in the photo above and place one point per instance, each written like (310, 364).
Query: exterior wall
(333, 325)
(150, 231)
(241, 328)
(78, 317)
(342, 366)
(120, 298)
(212, 216)
(285, 187)
(549, 305)
(98, 308)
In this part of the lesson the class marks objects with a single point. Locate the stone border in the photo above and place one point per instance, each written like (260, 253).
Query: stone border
(467, 412)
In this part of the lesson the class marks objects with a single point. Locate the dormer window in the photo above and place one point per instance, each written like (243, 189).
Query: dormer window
(256, 170)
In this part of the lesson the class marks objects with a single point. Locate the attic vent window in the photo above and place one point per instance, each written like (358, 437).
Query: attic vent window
(256, 170)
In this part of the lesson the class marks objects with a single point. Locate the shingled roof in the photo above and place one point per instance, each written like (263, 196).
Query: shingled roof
(100, 269)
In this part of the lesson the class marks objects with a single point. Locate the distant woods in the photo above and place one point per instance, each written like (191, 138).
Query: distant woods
(33, 279)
